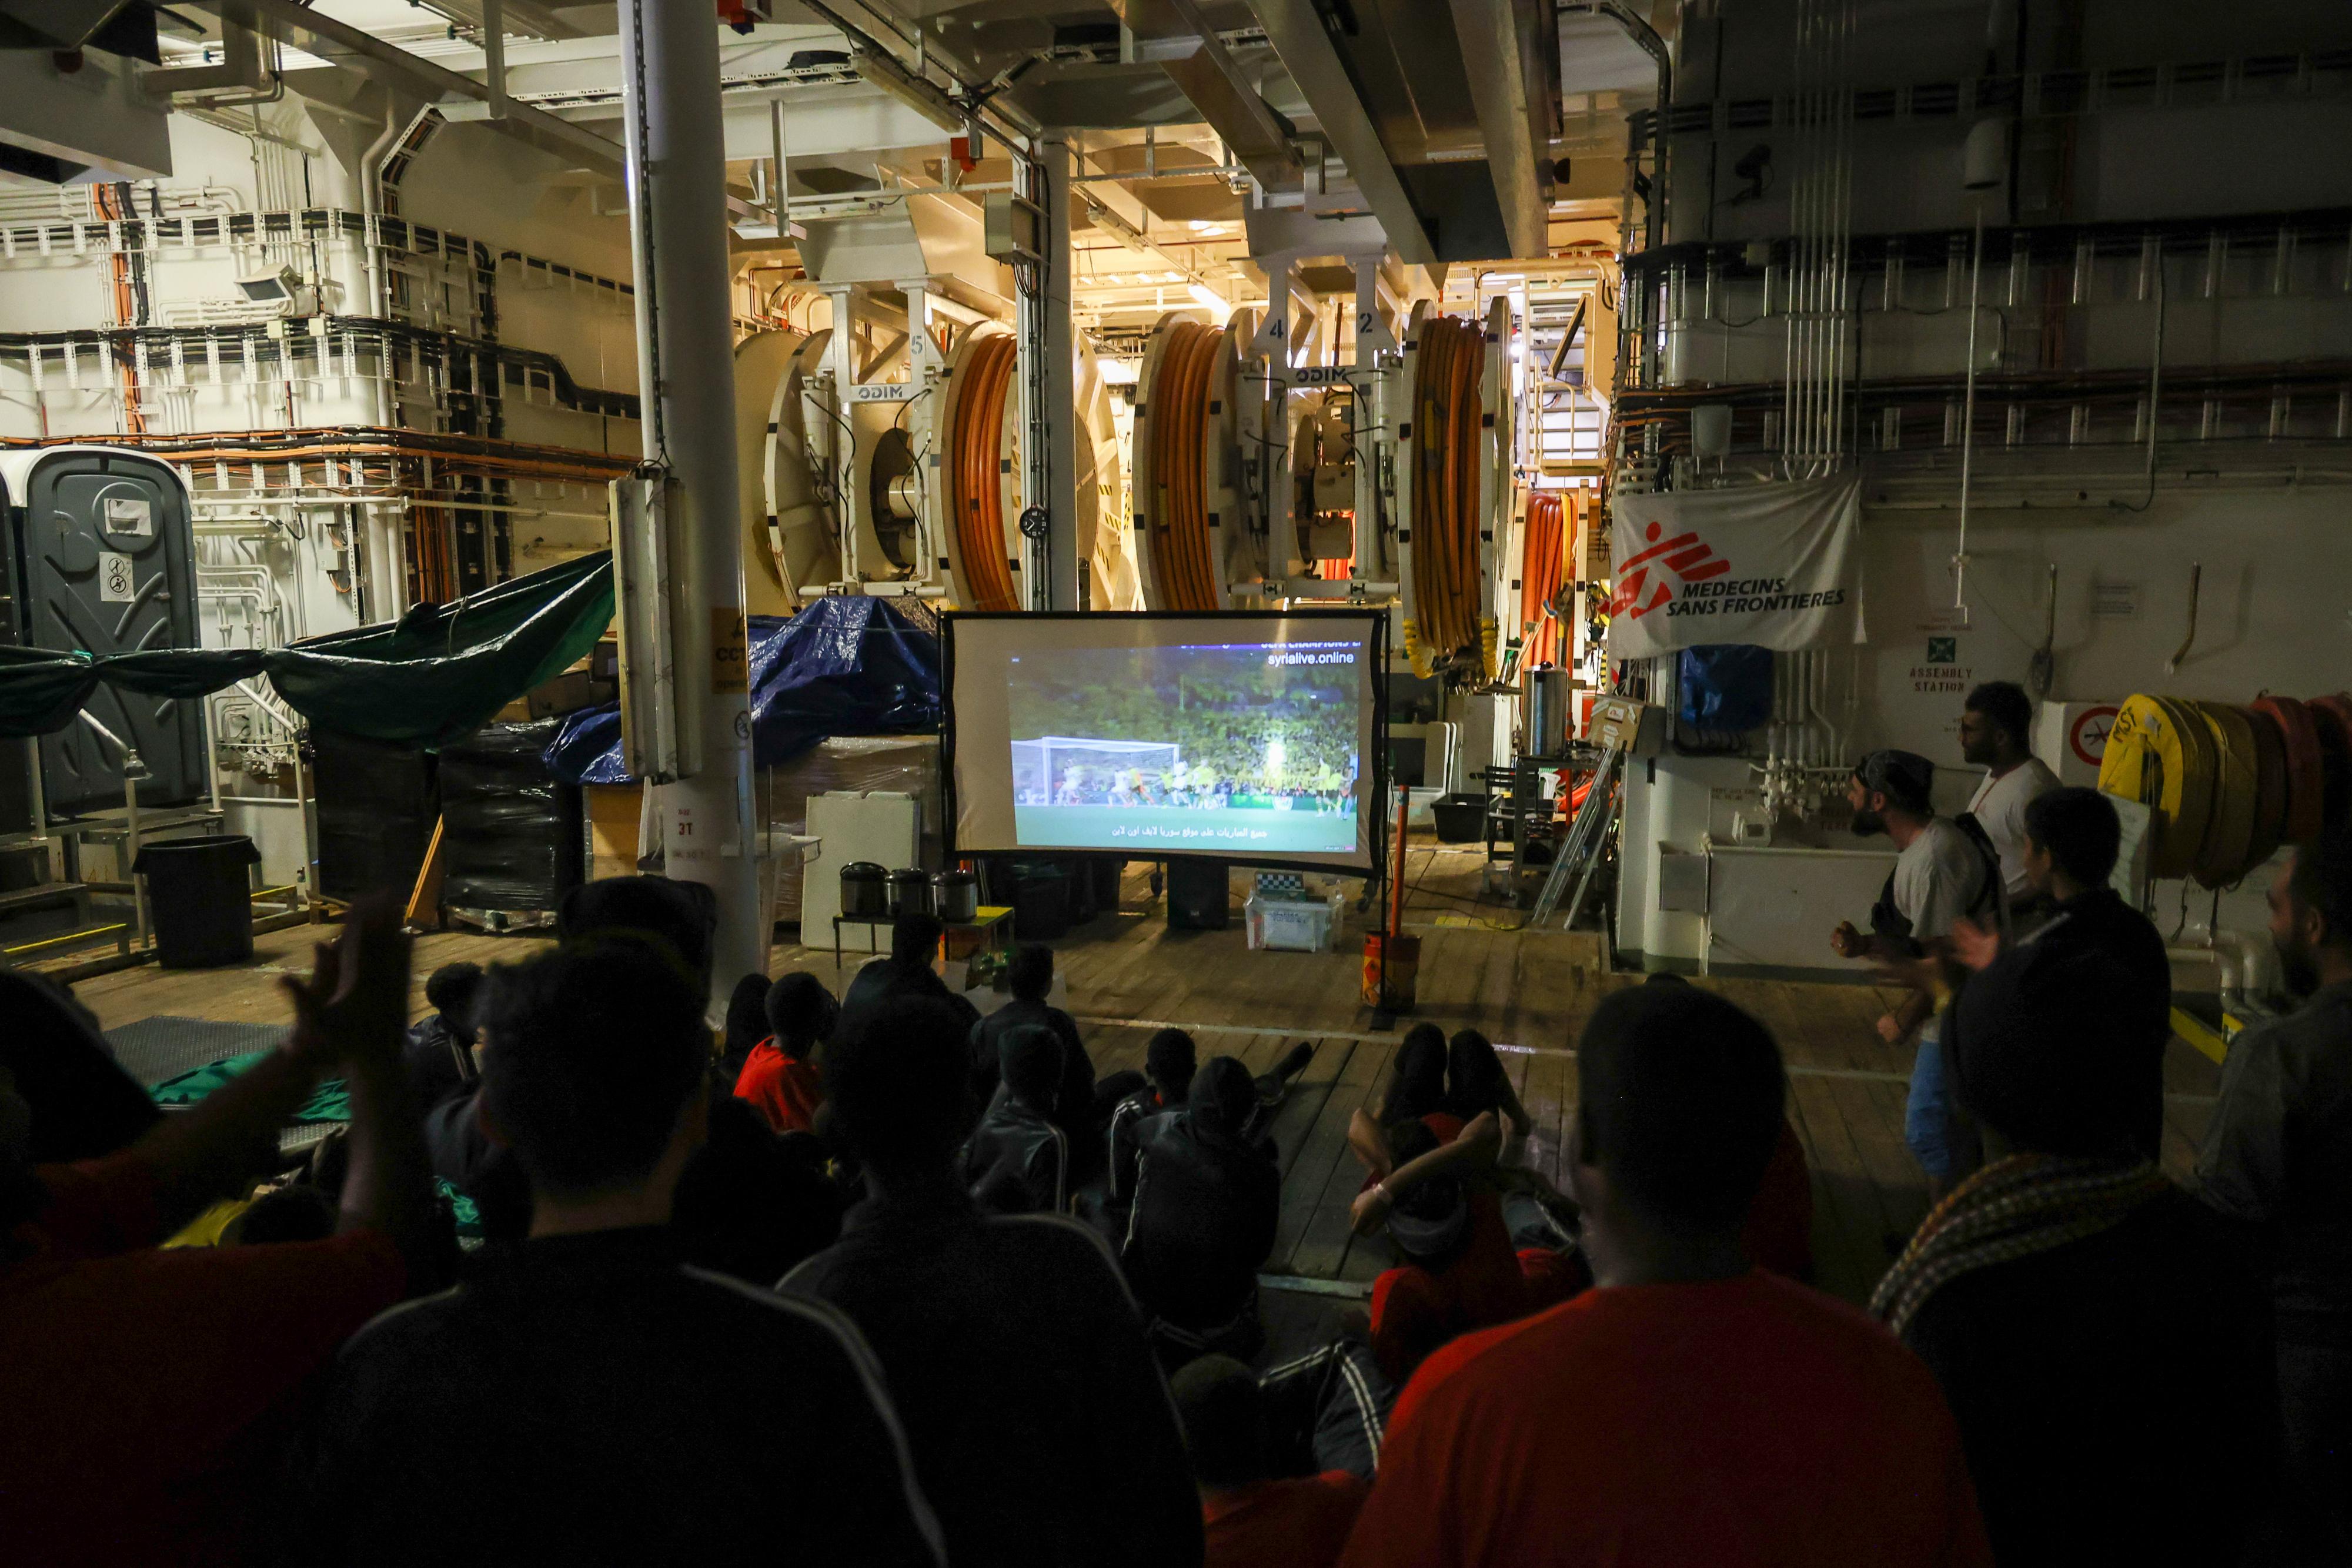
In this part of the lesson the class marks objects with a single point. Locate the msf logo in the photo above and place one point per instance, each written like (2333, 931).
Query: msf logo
(1685, 555)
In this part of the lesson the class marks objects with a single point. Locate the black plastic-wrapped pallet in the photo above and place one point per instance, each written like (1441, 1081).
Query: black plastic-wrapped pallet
(377, 804)
(511, 839)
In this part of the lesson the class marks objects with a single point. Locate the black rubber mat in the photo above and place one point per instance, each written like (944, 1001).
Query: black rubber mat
(155, 1049)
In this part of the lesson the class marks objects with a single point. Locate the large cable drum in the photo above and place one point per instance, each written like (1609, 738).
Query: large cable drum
(981, 482)
(791, 547)
(1192, 543)
(1113, 581)
(1454, 475)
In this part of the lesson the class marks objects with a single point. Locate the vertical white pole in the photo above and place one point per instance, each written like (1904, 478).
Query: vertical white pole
(677, 221)
(1058, 384)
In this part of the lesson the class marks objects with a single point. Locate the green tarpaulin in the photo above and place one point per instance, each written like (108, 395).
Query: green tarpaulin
(438, 673)
(332, 1102)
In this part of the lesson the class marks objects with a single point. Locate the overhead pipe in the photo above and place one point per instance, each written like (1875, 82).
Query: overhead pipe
(1645, 37)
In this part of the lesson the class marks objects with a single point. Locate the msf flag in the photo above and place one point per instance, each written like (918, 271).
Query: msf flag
(1775, 566)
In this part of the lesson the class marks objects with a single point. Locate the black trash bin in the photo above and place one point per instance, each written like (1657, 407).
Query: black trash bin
(199, 896)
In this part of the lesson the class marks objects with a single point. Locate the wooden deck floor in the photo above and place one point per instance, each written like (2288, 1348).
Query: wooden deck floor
(1530, 992)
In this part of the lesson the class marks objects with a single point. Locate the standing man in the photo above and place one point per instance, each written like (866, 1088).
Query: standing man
(2279, 1154)
(1942, 873)
(2071, 839)
(1995, 726)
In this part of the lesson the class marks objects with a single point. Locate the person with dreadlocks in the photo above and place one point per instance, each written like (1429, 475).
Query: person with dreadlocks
(2080, 1311)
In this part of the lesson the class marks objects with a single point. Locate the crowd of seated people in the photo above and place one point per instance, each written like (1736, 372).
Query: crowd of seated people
(894, 1282)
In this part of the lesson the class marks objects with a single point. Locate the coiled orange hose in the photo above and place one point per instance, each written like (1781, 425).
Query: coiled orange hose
(978, 441)
(1539, 578)
(1447, 410)
(1184, 561)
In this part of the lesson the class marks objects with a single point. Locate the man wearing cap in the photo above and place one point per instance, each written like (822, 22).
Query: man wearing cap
(1942, 873)
(2079, 1310)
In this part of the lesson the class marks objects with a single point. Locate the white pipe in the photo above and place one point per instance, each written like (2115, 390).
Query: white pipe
(677, 222)
(1968, 428)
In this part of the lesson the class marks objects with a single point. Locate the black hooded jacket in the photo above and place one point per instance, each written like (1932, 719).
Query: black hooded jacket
(1206, 1202)
(1018, 1161)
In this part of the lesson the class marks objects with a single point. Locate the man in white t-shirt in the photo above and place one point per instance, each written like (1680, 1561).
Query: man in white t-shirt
(1941, 873)
(1995, 726)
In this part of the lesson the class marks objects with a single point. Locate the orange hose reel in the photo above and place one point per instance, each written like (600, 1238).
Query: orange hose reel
(1182, 560)
(978, 442)
(1448, 408)
(1541, 576)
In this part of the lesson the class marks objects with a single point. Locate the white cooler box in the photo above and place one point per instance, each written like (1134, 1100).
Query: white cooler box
(1292, 925)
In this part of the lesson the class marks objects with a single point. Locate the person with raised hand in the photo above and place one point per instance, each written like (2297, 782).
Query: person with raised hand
(149, 1385)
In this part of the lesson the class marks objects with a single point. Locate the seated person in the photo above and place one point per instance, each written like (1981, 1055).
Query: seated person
(79, 1102)
(780, 1077)
(1206, 1203)
(677, 921)
(1475, 1082)
(1458, 1269)
(1779, 1234)
(1030, 976)
(146, 1389)
(2079, 1310)
(1040, 1425)
(1689, 1408)
(1416, 1091)
(1255, 1516)
(1535, 1212)
(1169, 1061)
(753, 1203)
(1328, 1409)
(592, 1398)
(1018, 1161)
(440, 1052)
(909, 970)
(747, 1026)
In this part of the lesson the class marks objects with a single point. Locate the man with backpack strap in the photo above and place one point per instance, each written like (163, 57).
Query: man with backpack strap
(1945, 869)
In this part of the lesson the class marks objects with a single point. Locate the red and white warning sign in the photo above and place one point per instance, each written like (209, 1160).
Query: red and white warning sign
(2072, 737)
(2086, 736)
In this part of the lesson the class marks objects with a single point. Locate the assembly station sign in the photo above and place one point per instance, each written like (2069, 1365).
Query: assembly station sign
(1776, 566)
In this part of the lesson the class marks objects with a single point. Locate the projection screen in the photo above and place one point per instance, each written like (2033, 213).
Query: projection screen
(1239, 736)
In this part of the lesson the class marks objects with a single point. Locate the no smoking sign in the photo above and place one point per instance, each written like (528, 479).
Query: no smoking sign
(2086, 738)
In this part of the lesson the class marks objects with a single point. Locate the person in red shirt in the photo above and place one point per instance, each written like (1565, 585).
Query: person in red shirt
(781, 1078)
(1459, 1270)
(1689, 1407)
(1252, 1518)
(143, 1388)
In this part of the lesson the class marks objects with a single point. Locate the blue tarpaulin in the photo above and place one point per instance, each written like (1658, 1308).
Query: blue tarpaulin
(847, 664)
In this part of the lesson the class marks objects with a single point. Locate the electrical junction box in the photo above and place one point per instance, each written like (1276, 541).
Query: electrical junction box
(1011, 228)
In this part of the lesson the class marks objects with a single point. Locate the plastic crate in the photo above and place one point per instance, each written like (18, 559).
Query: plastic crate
(1291, 926)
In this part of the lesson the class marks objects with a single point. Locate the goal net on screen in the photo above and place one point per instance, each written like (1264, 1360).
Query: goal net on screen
(1072, 770)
